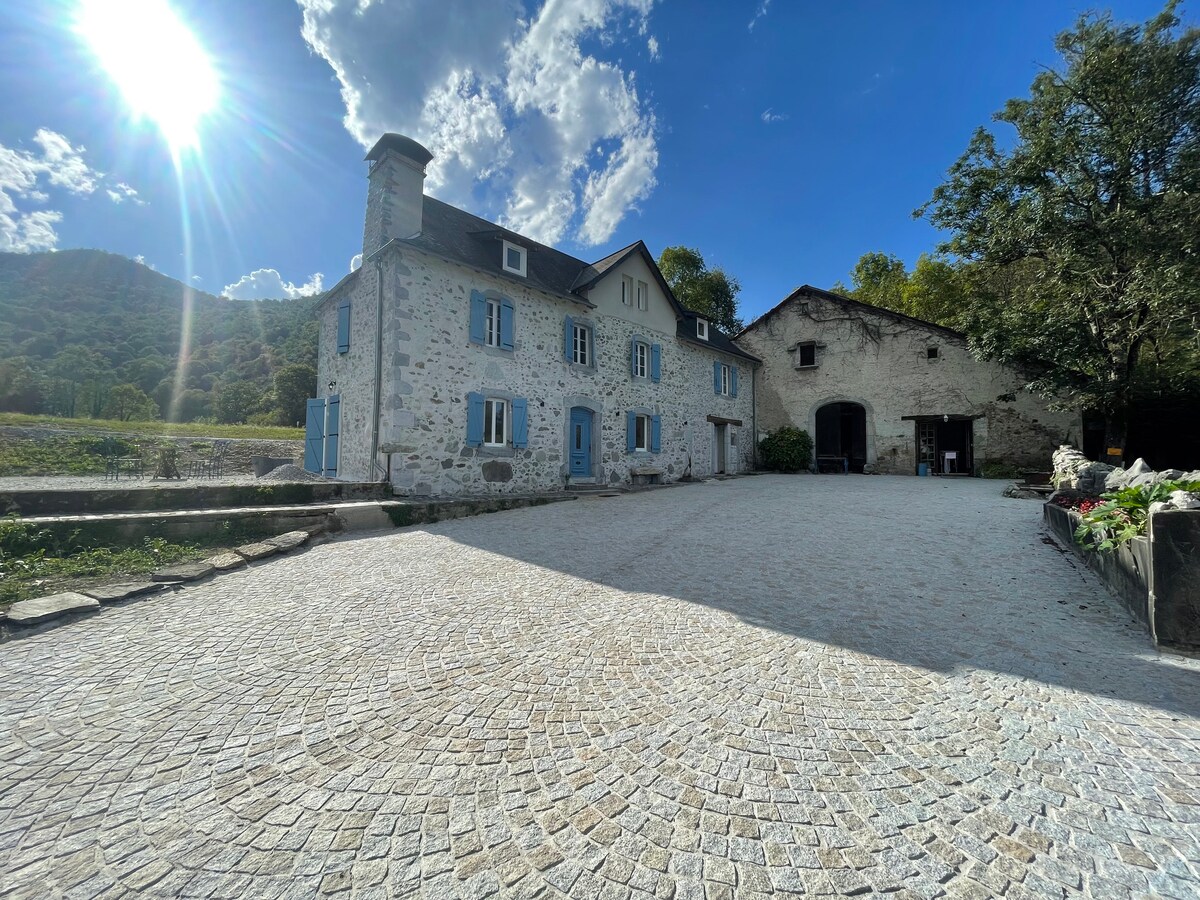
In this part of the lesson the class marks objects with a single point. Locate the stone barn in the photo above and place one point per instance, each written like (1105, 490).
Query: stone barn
(883, 392)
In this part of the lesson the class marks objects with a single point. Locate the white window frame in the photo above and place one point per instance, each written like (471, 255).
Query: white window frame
(627, 290)
(520, 251)
(641, 359)
(724, 380)
(643, 295)
(491, 323)
(581, 344)
(490, 406)
(702, 329)
(642, 422)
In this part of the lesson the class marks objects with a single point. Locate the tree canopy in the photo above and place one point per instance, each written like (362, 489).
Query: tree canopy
(1080, 230)
(710, 292)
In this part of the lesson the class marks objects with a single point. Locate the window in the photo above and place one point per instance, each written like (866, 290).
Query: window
(626, 290)
(641, 434)
(581, 345)
(643, 295)
(806, 355)
(725, 380)
(495, 422)
(492, 324)
(641, 360)
(931, 352)
(514, 259)
(702, 329)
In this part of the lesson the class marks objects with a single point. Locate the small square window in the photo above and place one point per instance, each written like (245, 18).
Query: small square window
(702, 329)
(931, 353)
(627, 290)
(643, 295)
(495, 423)
(581, 341)
(806, 355)
(641, 434)
(641, 359)
(514, 259)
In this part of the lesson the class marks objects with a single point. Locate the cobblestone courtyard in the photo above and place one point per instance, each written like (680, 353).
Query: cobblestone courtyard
(822, 685)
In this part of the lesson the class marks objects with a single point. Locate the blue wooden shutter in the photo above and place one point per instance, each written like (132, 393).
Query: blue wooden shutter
(314, 434)
(733, 380)
(343, 336)
(655, 434)
(474, 419)
(656, 363)
(716, 378)
(507, 318)
(633, 357)
(631, 431)
(333, 412)
(520, 423)
(478, 317)
(568, 331)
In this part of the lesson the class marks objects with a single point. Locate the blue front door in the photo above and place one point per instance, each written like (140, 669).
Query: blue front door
(580, 442)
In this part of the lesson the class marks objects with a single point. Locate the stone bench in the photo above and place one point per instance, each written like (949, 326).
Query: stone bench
(646, 475)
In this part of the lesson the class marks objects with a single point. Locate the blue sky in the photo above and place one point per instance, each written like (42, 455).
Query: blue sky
(781, 139)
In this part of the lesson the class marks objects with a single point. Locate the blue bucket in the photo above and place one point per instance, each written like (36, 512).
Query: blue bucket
(922, 468)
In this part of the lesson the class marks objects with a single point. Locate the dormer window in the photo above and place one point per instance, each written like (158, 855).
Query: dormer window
(514, 259)
(702, 329)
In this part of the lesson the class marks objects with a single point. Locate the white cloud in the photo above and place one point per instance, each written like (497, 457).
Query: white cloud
(524, 125)
(768, 116)
(24, 174)
(652, 44)
(356, 262)
(264, 284)
(758, 14)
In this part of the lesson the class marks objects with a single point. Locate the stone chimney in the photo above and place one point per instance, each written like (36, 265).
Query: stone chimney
(395, 191)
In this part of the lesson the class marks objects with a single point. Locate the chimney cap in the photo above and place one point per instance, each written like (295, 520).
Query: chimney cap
(405, 146)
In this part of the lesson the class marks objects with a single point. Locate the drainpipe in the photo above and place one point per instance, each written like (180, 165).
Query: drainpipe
(754, 415)
(377, 397)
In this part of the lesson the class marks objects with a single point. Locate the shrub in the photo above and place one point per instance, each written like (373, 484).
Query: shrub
(1123, 514)
(786, 450)
(998, 469)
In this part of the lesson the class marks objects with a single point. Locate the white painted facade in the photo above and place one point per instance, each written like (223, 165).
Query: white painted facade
(818, 349)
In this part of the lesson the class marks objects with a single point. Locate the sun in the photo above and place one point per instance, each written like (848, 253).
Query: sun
(154, 59)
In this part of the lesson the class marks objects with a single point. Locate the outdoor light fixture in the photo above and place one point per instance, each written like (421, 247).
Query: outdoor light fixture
(331, 386)
(945, 418)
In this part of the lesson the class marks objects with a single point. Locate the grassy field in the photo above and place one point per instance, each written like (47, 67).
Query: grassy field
(155, 429)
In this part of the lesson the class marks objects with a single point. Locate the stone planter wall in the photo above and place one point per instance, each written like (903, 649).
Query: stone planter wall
(1156, 578)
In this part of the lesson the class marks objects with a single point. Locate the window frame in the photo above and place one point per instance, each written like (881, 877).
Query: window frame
(641, 422)
(726, 380)
(643, 296)
(581, 340)
(491, 335)
(627, 290)
(641, 359)
(800, 348)
(702, 329)
(522, 252)
(490, 405)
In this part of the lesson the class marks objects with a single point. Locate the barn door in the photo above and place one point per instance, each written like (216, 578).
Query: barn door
(314, 435)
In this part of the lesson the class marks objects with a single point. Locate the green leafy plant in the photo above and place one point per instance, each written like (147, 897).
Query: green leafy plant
(1123, 514)
(786, 450)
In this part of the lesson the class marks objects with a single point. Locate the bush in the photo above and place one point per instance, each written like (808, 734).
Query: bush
(998, 469)
(1123, 514)
(786, 450)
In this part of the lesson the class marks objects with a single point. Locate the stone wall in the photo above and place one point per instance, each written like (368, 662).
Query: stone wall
(430, 366)
(884, 365)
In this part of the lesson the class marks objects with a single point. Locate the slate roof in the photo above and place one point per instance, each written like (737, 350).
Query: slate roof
(461, 237)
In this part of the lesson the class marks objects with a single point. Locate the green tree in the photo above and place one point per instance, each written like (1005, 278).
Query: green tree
(293, 386)
(236, 401)
(22, 387)
(1096, 203)
(128, 402)
(709, 292)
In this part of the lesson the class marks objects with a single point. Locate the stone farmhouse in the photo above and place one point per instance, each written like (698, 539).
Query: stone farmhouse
(462, 357)
(882, 392)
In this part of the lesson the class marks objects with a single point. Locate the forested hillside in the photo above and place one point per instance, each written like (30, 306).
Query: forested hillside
(88, 333)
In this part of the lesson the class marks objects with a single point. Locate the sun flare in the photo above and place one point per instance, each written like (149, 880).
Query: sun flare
(154, 59)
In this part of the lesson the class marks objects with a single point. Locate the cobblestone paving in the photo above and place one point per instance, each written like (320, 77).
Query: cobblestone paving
(822, 685)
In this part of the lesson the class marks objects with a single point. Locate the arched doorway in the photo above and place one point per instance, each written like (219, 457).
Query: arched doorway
(841, 437)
